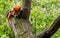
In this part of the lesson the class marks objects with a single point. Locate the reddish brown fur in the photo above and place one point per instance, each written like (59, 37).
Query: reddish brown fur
(15, 10)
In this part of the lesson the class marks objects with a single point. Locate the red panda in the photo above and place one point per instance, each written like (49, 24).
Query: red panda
(15, 11)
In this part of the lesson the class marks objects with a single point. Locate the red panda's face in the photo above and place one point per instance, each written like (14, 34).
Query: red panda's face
(16, 10)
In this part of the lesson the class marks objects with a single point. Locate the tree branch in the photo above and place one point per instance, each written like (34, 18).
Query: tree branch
(51, 30)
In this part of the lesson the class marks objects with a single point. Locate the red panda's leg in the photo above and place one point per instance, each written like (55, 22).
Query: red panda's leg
(8, 17)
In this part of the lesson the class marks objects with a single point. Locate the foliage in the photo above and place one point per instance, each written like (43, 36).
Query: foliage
(43, 13)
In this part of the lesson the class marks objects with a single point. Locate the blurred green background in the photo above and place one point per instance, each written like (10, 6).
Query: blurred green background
(43, 13)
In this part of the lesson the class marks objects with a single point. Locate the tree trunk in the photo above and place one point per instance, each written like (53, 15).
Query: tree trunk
(21, 28)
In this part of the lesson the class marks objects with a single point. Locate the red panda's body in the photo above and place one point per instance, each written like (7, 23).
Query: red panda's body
(15, 11)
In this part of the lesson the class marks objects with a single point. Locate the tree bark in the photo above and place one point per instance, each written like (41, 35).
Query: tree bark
(27, 4)
(21, 28)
